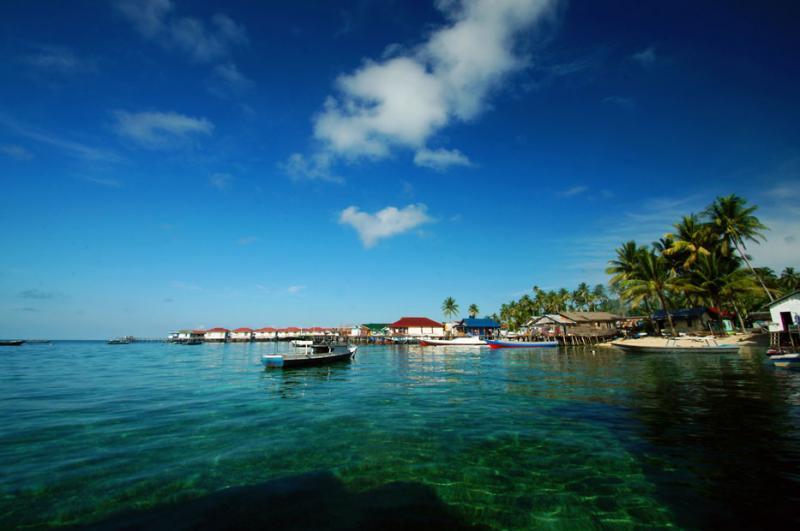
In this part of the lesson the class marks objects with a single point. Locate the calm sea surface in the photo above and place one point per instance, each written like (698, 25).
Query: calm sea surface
(506, 439)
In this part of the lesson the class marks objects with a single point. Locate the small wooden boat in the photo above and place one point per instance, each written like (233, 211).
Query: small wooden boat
(689, 345)
(320, 354)
(494, 343)
(468, 341)
(786, 361)
(11, 342)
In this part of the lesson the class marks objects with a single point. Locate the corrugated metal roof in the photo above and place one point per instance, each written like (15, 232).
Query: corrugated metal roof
(471, 322)
(579, 317)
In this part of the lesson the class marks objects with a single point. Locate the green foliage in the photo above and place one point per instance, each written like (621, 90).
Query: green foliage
(449, 308)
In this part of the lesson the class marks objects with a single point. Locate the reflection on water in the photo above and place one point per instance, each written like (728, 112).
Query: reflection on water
(584, 437)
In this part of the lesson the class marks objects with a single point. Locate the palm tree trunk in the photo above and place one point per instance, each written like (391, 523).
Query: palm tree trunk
(739, 315)
(752, 270)
(666, 311)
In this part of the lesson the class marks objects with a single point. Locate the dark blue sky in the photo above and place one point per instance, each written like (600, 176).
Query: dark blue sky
(175, 164)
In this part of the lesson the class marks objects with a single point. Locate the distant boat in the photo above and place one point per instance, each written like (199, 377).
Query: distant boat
(11, 342)
(119, 341)
(690, 345)
(468, 341)
(319, 354)
(786, 361)
(493, 343)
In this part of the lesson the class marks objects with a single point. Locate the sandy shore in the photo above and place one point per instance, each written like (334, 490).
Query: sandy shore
(733, 339)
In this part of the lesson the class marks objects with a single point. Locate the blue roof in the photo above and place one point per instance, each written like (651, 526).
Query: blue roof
(681, 314)
(469, 322)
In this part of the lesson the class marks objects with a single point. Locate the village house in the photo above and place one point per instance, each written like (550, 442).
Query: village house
(581, 324)
(377, 329)
(694, 320)
(217, 335)
(482, 327)
(359, 331)
(785, 313)
(416, 327)
(264, 334)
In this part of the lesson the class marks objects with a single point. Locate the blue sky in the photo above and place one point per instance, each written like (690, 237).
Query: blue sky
(170, 164)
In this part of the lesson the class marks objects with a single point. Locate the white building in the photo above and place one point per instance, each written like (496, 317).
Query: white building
(416, 327)
(785, 312)
(264, 334)
(242, 334)
(216, 334)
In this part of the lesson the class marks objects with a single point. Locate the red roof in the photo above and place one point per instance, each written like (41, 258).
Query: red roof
(416, 322)
(293, 329)
(243, 330)
(266, 329)
(198, 331)
(217, 330)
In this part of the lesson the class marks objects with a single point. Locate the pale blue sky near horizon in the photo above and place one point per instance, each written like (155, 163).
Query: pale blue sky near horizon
(169, 164)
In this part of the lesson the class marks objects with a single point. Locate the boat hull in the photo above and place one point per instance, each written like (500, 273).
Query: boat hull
(786, 361)
(284, 361)
(13, 343)
(716, 349)
(452, 343)
(495, 344)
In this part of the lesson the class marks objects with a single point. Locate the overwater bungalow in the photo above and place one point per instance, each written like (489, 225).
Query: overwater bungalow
(480, 327)
(694, 320)
(784, 324)
(578, 324)
(216, 335)
(242, 334)
(264, 334)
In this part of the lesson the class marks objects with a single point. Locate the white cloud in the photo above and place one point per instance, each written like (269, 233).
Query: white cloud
(573, 191)
(57, 59)
(295, 289)
(69, 147)
(157, 130)
(385, 223)
(16, 152)
(314, 167)
(403, 100)
(440, 159)
(645, 57)
(221, 181)
(201, 41)
(227, 81)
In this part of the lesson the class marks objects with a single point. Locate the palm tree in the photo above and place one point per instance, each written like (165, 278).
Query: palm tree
(598, 297)
(653, 277)
(581, 296)
(449, 307)
(790, 280)
(473, 310)
(690, 240)
(718, 279)
(625, 263)
(735, 223)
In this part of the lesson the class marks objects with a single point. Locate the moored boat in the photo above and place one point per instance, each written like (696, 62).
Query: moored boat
(11, 342)
(119, 341)
(467, 341)
(696, 345)
(786, 361)
(495, 343)
(319, 354)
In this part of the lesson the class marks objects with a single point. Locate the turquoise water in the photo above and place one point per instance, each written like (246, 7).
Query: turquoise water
(503, 439)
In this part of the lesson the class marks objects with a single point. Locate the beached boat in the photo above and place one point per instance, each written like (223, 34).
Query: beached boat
(11, 342)
(685, 344)
(319, 354)
(786, 361)
(495, 343)
(468, 341)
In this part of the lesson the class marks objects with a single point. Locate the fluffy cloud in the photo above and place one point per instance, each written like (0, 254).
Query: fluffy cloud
(385, 223)
(440, 159)
(201, 41)
(227, 81)
(157, 130)
(402, 101)
(56, 59)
